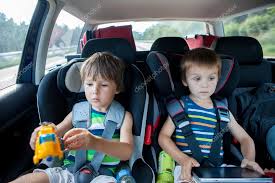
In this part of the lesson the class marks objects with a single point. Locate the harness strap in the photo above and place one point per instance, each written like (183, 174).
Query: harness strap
(81, 119)
(181, 120)
(221, 128)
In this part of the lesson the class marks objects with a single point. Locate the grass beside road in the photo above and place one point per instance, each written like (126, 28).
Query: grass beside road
(9, 62)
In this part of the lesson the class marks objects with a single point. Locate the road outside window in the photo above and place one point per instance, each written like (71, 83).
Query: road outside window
(14, 24)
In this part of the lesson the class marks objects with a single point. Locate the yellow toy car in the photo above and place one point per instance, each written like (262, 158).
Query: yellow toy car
(47, 144)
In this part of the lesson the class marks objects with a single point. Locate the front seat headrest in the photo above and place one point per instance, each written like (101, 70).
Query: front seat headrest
(175, 45)
(246, 50)
(118, 46)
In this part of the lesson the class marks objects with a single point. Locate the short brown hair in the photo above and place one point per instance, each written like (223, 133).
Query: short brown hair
(106, 65)
(201, 57)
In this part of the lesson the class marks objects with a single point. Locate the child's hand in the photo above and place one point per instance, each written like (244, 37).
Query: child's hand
(186, 169)
(33, 137)
(78, 138)
(251, 165)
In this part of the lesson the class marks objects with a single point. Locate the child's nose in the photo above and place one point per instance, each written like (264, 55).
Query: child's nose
(95, 89)
(204, 84)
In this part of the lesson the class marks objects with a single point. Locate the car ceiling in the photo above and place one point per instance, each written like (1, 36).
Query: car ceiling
(105, 11)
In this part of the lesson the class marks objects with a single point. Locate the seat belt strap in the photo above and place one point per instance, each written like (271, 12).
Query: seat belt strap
(114, 119)
(180, 119)
(81, 119)
(223, 118)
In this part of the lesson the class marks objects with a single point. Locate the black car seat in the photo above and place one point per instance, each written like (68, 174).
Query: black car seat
(174, 48)
(254, 72)
(164, 86)
(66, 90)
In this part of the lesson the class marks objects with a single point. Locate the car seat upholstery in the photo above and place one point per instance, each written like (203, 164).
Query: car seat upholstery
(173, 48)
(254, 71)
(69, 91)
(164, 86)
(124, 32)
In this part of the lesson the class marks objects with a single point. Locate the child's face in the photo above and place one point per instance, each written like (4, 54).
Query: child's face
(201, 81)
(100, 92)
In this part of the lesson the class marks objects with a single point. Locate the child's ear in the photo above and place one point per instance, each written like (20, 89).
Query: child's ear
(184, 83)
(117, 92)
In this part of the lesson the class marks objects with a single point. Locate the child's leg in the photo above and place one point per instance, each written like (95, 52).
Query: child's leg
(177, 172)
(38, 177)
(50, 175)
(104, 178)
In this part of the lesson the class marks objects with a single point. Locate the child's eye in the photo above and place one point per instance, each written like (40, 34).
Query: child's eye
(89, 84)
(212, 78)
(104, 85)
(196, 78)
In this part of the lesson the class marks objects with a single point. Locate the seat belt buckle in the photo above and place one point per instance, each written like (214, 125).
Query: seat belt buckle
(86, 174)
(148, 134)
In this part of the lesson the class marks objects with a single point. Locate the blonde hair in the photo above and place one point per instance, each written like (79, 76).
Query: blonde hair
(201, 57)
(106, 65)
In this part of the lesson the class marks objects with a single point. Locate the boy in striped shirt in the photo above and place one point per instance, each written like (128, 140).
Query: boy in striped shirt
(201, 70)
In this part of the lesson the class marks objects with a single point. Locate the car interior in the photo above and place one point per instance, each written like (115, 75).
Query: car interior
(48, 95)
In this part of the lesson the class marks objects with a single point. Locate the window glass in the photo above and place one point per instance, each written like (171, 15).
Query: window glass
(260, 25)
(64, 39)
(145, 33)
(12, 21)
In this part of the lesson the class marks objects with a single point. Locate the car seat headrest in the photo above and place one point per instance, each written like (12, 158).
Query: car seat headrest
(124, 31)
(176, 45)
(246, 50)
(165, 85)
(230, 76)
(117, 46)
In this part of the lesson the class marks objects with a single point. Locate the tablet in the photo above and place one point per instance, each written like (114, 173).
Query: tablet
(228, 174)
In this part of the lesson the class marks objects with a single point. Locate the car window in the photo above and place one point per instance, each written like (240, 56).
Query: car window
(145, 33)
(260, 25)
(64, 39)
(12, 21)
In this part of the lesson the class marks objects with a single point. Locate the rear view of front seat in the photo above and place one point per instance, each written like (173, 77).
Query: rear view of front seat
(254, 71)
(67, 85)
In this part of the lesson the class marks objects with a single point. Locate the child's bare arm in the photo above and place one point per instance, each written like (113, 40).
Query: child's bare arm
(61, 129)
(246, 142)
(65, 125)
(78, 138)
(167, 144)
(170, 147)
(247, 145)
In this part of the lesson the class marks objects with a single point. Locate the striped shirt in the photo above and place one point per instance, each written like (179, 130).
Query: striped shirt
(96, 128)
(203, 123)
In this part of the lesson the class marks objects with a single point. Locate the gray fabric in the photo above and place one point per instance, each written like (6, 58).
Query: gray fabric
(174, 107)
(115, 113)
(81, 114)
(81, 119)
(58, 175)
(114, 119)
(107, 134)
(73, 80)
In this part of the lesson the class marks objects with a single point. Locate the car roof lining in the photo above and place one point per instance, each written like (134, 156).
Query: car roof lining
(106, 11)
